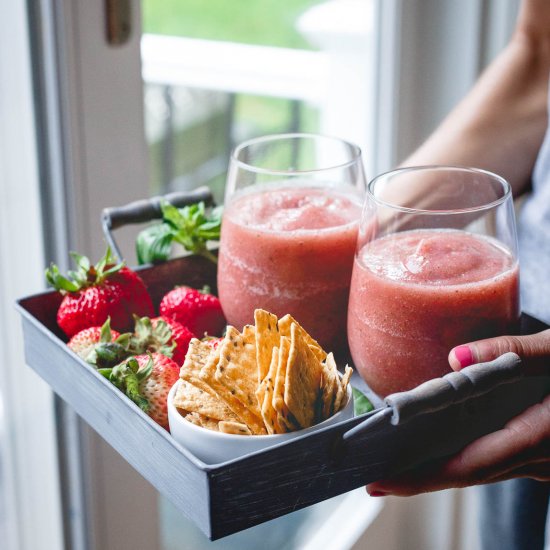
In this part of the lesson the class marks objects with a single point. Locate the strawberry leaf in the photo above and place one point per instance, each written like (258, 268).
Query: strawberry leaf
(126, 376)
(106, 334)
(107, 355)
(85, 275)
(58, 281)
(147, 338)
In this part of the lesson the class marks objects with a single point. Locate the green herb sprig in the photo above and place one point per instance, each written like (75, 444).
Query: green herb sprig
(192, 227)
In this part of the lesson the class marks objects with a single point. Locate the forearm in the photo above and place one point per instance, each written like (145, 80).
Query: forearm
(500, 124)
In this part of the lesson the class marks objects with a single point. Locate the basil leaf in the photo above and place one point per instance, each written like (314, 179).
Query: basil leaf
(154, 244)
(361, 403)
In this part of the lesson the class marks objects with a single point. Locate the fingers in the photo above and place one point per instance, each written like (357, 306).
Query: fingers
(520, 449)
(534, 351)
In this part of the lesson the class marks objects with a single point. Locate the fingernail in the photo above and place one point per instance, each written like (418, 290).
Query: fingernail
(464, 356)
(378, 494)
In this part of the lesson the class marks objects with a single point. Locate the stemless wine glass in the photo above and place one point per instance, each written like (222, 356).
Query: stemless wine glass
(289, 231)
(436, 266)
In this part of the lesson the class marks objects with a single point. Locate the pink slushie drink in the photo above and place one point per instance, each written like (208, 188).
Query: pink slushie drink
(290, 250)
(417, 294)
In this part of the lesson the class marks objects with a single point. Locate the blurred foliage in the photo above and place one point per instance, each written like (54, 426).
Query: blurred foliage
(265, 22)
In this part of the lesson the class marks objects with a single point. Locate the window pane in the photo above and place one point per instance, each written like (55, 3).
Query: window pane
(265, 22)
(193, 125)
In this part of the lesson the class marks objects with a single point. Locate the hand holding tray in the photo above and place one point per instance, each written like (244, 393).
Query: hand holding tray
(431, 421)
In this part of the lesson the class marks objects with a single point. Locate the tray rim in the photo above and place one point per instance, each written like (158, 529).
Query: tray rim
(197, 462)
(223, 486)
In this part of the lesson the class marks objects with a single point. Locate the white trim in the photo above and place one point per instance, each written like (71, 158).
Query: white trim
(232, 67)
(387, 71)
(105, 164)
(28, 440)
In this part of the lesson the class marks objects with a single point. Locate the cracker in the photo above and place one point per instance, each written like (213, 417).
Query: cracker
(202, 421)
(269, 414)
(192, 399)
(267, 338)
(198, 355)
(303, 380)
(329, 386)
(342, 391)
(278, 400)
(221, 374)
(237, 369)
(285, 324)
(230, 427)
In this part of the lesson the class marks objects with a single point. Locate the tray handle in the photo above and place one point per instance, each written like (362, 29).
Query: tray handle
(440, 393)
(147, 209)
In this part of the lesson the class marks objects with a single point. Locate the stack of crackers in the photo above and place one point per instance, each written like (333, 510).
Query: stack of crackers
(271, 378)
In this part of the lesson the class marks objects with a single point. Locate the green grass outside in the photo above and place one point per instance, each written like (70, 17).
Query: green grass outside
(266, 22)
(261, 22)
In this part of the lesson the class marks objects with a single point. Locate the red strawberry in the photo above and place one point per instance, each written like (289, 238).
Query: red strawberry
(100, 346)
(200, 312)
(146, 380)
(94, 293)
(181, 336)
(212, 342)
(85, 341)
(162, 335)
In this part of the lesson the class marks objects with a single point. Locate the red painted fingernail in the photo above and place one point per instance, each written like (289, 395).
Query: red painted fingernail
(377, 494)
(464, 356)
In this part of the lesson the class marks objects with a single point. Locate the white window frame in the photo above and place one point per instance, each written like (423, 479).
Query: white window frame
(31, 506)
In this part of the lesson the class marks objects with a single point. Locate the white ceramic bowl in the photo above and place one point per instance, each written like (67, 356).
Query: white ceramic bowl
(215, 447)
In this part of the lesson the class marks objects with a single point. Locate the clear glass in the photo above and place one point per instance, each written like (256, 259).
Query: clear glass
(436, 266)
(289, 231)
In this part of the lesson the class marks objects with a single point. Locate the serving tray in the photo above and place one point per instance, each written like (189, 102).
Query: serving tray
(228, 497)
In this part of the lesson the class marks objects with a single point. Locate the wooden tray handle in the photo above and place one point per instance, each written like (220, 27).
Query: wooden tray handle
(142, 211)
(440, 393)
(455, 387)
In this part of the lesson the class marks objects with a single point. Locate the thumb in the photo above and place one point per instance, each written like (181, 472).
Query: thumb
(534, 351)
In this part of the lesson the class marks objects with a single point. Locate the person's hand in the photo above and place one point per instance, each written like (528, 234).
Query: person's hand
(520, 449)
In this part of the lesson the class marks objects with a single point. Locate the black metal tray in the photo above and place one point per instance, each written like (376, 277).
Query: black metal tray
(225, 498)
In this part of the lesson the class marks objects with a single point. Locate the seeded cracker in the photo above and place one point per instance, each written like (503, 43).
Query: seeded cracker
(234, 377)
(197, 357)
(202, 421)
(278, 401)
(343, 388)
(285, 324)
(268, 412)
(192, 399)
(267, 337)
(229, 427)
(303, 380)
(329, 386)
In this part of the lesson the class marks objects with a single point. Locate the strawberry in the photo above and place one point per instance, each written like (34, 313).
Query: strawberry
(100, 346)
(146, 380)
(200, 312)
(163, 335)
(94, 293)
(213, 342)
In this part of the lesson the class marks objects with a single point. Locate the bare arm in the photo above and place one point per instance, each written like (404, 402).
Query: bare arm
(500, 124)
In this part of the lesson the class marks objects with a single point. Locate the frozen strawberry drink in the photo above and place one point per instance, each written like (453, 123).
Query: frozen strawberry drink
(435, 267)
(290, 249)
